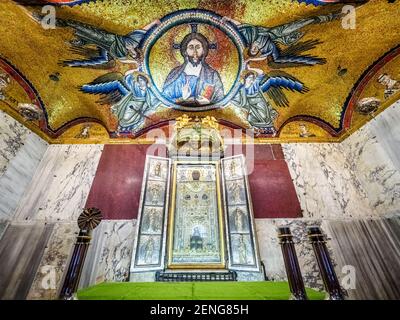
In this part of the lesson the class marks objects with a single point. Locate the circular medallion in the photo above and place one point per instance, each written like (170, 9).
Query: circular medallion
(194, 60)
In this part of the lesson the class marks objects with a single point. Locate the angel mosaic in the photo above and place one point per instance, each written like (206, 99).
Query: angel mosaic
(100, 48)
(131, 97)
(263, 44)
(196, 79)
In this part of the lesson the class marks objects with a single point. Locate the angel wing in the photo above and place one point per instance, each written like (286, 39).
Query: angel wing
(94, 58)
(289, 33)
(293, 56)
(111, 87)
(99, 47)
(275, 82)
(286, 34)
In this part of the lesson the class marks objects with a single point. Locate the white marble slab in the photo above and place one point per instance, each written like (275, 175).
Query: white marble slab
(49, 275)
(324, 182)
(373, 153)
(110, 252)
(62, 182)
(20, 154)
(12, 137)
(270, 250)
(271, 253)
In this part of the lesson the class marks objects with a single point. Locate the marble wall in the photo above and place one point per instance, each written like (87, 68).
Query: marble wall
(21, 249)
(325, 184)
(271, 254)
(373, 153)
(44, 188)
(110, 252)
(20, 153)
(49, 274)
(108, 258)
(60, 187)
(357, 178)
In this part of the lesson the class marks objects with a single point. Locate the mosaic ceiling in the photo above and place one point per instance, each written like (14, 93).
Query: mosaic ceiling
(115, 71)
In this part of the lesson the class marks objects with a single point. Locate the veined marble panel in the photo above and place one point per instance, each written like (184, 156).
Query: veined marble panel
(270, 250)
(21, 249)
(20, 155)
(12, 137)
(49, 275)
(357, 178)
(387, 130)
(271, 253)
(373, 153)
(325, 184)
(62, 182)
(110, 253)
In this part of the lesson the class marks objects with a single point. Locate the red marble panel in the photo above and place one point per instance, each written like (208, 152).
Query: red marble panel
(118, 181)
(117, 184)
(272, 191)
(278, 152)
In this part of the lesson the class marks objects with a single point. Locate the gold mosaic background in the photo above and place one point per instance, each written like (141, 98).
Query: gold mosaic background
(36, 53)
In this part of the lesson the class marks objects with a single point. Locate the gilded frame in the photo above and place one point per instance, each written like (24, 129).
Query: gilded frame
(222, 264)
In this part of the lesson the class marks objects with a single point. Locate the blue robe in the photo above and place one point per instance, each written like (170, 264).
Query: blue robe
(208, 78)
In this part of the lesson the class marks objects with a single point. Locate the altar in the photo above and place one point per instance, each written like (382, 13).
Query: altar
(195, 210)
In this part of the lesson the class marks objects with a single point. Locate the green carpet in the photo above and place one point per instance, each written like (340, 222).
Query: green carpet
(192, 291)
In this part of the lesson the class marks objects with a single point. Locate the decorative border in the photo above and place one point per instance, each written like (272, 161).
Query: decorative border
(326, 2)
(60, 3)
(362, 82)
(221, 265)
(139, 268)
(250, 216)
(352, 98)
(193, 16)
(33, 94)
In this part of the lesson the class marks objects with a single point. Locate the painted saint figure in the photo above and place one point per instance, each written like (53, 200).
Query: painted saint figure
(238, 219)
(196, 241)
(151, 221)
(304, 133)
(194, 82)
(233, 168)
(242, 248)
(260, 113)
(147, 250)
(235, 192)
(391, 85)
(157, 169)
(155, 193)
(137, 105)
